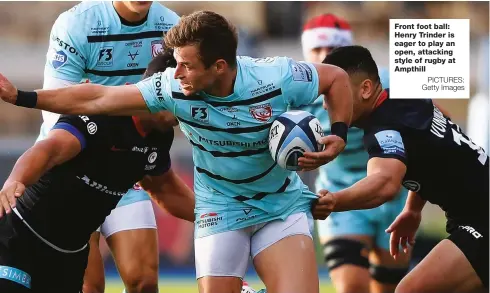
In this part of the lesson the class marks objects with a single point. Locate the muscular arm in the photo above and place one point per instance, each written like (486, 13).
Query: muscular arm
(90, 99)
(59, 147)
(334, 84)
(171, 194)
(382, 183)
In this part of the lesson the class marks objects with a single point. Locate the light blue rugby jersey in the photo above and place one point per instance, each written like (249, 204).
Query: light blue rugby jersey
(91, 42)
(229, 135)
(350, 166)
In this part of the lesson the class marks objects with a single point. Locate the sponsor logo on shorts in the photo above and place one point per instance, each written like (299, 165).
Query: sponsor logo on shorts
(472, 231)
(209, 220)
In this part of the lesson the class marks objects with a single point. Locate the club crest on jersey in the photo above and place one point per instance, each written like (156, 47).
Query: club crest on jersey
(156, 48)
(58, 58)
(262, 113)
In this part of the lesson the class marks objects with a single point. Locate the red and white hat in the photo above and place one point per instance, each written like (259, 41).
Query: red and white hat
(326, 30)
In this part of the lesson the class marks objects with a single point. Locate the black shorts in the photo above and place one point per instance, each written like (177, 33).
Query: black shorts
(29, 265)
(472, 240)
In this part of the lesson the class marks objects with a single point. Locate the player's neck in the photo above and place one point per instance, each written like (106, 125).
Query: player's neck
(361, 114)
(127, 14)
(225, 86)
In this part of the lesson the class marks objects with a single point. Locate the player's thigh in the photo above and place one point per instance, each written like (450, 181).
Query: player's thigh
(94, 279)
(444, 269)
(134, 211)
(284, 255)
(222, 260)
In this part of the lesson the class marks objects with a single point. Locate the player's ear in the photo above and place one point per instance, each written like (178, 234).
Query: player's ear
(366, 89)
(220, 66)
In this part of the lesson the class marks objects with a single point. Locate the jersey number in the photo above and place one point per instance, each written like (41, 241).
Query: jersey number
(459, 138)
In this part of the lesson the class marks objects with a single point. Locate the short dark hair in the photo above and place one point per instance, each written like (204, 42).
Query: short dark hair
(215, 37)
(160, 63)
(354, 59)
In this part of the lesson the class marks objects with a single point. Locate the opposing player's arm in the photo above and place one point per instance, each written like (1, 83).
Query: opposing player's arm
(59, 146)
(382, 183)
(171, 193)
(334, 84)
(385, 171)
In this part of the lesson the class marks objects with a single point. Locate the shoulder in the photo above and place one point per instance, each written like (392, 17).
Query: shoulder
(163, 14)
(411, 113)
(81, 18)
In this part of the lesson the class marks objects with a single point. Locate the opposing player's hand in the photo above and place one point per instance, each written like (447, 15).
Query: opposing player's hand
(324, 205)
(334, 145)
(403, 231)
(8, 92)
(8, 196)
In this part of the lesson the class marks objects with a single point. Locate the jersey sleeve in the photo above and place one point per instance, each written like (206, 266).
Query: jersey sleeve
(385, 143)
(299, 82)
(164, 162)
(156, 92)
(66, 56)
(89, 130)
(384, 76)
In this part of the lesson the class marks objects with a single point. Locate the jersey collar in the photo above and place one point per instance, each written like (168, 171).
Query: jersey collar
(382, 98)
(139, 126)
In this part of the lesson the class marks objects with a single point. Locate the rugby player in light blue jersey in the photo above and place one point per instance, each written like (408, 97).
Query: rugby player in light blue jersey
(111, 43)
(356, 246)
(246, 205)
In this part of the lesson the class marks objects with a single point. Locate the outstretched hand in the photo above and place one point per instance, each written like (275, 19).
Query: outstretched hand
(8, 92)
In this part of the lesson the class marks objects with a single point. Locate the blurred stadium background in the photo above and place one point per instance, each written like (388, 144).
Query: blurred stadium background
(266, 29)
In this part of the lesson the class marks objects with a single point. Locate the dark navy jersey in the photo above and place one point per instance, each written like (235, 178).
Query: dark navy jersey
(443, 165)
(71, 200)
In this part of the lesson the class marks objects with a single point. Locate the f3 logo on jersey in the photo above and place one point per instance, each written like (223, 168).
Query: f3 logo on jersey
(105, 57)
(200, 113)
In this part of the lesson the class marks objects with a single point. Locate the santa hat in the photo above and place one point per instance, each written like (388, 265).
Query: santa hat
(326, 30)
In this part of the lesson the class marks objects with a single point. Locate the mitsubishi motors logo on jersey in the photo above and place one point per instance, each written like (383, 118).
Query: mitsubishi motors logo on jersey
(156, 48)
(262, 113)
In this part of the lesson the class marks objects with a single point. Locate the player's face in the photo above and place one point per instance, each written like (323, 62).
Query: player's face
(317, 55)
(191, 72)
(140, 7)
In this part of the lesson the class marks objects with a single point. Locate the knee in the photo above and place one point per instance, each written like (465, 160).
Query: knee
(340, 252)
(141, 283)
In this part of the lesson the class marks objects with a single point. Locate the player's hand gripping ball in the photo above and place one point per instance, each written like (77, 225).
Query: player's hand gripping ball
(292, 134)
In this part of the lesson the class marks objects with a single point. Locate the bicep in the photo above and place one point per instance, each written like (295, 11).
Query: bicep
(390, 167)
(63, 143)
(327, 74)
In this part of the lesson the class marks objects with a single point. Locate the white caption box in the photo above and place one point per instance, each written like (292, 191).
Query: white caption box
(429, 58)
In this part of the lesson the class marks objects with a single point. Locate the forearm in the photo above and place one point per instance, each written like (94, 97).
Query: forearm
(176, 198)
(338, 99)
(370, 192)
(31, 165)
(414, 202)
(76, 99)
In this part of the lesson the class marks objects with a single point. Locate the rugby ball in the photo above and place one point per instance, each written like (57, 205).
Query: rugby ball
(292, 134)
